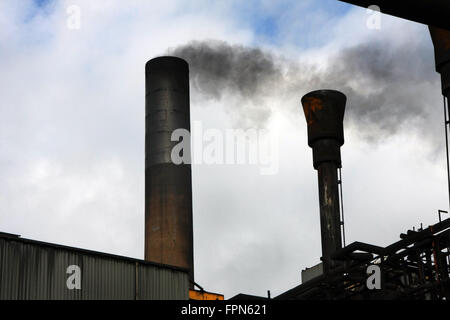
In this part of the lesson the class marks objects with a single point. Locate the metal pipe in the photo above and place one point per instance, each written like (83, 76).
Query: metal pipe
(358, 246)
(168, 186)
(324, 112)
(439, 213)
(329, 209)
(441, 43)
(342, 205)
(446, 124)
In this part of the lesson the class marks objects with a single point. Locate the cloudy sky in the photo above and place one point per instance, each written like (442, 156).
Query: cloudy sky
(72, 127)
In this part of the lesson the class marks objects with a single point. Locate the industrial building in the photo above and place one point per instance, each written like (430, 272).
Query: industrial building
(33, 270)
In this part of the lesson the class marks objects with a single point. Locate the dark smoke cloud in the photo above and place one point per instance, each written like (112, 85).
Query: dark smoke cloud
(218, 68)
(389, 88)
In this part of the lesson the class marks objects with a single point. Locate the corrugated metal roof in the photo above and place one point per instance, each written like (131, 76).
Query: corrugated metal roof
(36, 270)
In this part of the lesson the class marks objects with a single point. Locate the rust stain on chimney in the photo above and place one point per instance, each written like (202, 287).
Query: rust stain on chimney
(311, 106)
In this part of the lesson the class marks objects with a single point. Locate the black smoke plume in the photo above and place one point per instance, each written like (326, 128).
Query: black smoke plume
(388, 88)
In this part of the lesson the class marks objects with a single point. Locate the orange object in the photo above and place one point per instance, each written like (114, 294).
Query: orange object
(203, 295)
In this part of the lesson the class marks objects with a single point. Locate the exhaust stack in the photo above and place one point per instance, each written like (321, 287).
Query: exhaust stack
(324, 113)
(168, 186)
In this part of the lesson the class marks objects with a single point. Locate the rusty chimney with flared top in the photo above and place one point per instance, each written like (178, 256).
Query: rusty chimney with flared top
(324, 112)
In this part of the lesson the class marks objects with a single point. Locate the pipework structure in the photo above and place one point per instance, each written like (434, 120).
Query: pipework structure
(415, 267)
(168, 186)
(324, 113)
(441, 44)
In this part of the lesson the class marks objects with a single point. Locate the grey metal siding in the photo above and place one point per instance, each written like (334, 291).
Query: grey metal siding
(166, 284)
(37, 271)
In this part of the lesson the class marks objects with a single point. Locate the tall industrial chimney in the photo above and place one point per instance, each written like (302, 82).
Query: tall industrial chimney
(324, 112)
(168, 186)
(441, 42)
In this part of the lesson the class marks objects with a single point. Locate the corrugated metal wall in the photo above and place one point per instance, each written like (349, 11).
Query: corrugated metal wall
(37, 271)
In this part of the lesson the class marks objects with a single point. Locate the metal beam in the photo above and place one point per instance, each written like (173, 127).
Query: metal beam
(430, 12)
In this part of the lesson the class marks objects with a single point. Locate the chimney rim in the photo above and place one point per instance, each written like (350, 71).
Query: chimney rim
(166, 61)
(323, 93)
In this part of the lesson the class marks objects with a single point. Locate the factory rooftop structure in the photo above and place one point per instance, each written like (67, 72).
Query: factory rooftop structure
(415, 267)
(34, 270)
